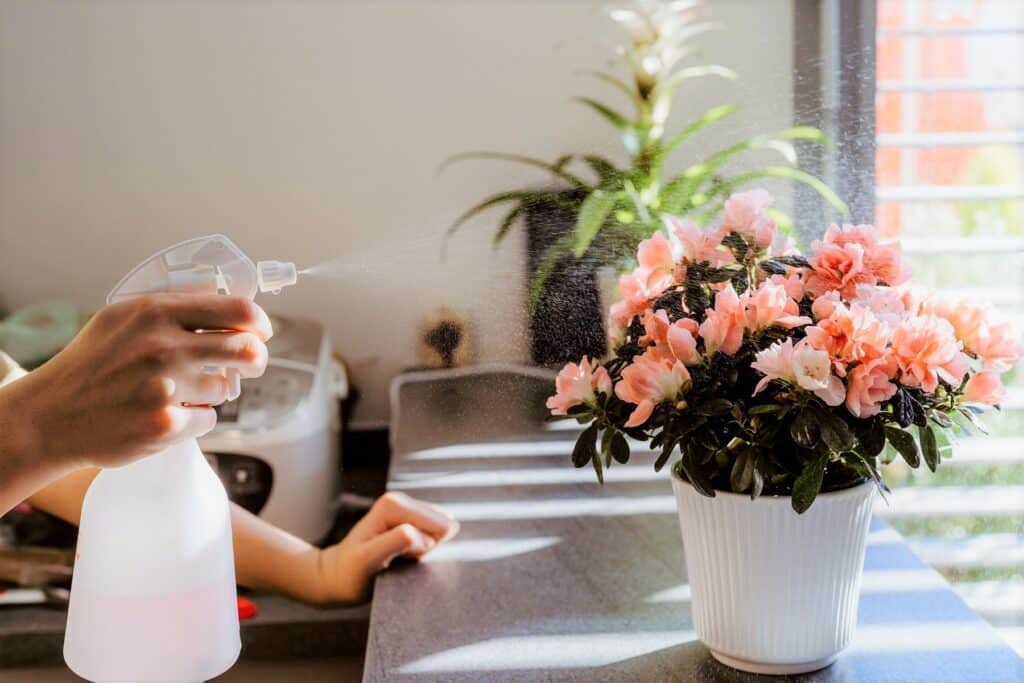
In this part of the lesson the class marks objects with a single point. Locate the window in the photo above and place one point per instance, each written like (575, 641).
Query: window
(949, 176)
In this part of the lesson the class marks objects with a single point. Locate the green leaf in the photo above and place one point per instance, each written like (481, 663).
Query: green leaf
(606, 437)
(593, 213)
(666, 88)
(553, 169)
(804, 429)
(808, 484)
(595, 459)
(765, 409)
(742, 474)
(612, 80)
(710, 116)
(666, 452)
(870, 436)
(714, 406)
(519, 195)
(620, 448)
(836, 434)
(695, 474)
(507, 223)
(586, 446)
(557, 251)
(606, 171)
(631, 136)
(814, 183)
(904, 443)
(757, 485)
(929, 447)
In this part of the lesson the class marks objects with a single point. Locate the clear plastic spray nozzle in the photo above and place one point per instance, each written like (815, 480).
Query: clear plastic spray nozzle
(272, 276)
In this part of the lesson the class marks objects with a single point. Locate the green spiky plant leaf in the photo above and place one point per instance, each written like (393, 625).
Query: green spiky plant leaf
(617, 205)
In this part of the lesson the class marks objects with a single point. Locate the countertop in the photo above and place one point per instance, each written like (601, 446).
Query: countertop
(555, 578)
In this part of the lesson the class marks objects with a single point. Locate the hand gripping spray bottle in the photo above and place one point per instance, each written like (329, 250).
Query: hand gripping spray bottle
(153, 595)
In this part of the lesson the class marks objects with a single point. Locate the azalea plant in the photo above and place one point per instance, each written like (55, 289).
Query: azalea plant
(616, 206)
(772, 373)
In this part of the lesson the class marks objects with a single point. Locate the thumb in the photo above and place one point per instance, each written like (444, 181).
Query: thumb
(402, 540)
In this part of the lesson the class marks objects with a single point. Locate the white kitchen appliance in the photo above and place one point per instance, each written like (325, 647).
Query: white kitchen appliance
(277, 447)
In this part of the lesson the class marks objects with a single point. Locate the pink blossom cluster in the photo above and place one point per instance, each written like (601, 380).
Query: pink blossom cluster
(846, 324)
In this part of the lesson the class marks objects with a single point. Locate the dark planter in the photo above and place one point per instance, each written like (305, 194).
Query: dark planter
(567, 323)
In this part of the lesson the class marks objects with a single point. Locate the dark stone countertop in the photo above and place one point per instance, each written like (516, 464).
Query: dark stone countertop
(554, 578)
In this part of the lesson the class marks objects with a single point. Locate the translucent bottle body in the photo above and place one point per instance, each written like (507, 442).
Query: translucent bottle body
(153, 596)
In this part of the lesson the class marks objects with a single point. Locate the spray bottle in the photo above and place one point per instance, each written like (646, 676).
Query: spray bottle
(153, 594)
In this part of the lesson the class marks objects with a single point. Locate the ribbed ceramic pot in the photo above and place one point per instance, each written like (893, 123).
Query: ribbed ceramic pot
(774, 592)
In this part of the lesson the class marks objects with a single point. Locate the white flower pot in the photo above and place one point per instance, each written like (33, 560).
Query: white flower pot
(774, 592)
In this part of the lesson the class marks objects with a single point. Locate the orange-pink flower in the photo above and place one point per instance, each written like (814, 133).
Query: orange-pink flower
(793, 284)
(997, 346)
(850, 256)
(656, 263)
(985, 387)
(682, 341)
(722, 329)
(994, 341)
(577, 385)
(883, 260)
(869, 384)
(839, 268)
(851, 334)
(927, 351)
(770, 305)
(745, 215)
(699, 245)
(653, 377)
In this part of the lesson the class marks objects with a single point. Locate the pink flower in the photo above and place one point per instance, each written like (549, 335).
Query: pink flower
(656, 325)
(997, 346)
(579, 384)
(772, 305)
(651, 278)
(825, 304)
(793, 284)
(849, 335)
(883, 260)
(802, 365)
(723, 328)
(869, 385)
(889, 304)
(699, 245)
(745, 215)
(682, 341)
(852, 255)
(619, 318)
(864, 235)
(927, 351)
(655, 255)
(985, 387)
(992, 340)
(652, 377)
(837, 267)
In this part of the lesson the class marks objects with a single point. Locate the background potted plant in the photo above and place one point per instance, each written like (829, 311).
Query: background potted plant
(783, 382)
(598, 212)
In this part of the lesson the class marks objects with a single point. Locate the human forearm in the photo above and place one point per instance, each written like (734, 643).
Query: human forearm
(269, 558)
(265, 557)
(25, 467)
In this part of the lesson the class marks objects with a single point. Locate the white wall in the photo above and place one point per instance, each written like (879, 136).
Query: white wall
(307, 130)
